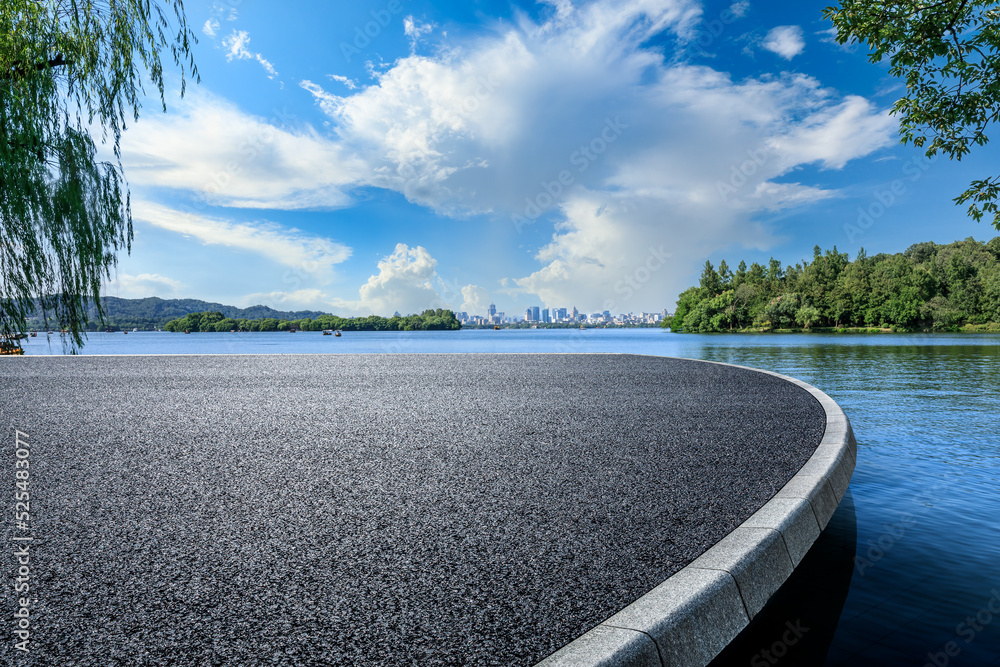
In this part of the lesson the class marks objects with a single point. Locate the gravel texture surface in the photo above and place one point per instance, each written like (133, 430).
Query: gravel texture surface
(373, 509)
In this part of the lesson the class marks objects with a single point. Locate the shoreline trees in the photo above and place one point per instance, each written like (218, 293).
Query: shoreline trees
(928, 287)
(429, 320)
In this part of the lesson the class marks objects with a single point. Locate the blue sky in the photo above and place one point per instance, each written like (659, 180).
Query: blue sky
(371, 157)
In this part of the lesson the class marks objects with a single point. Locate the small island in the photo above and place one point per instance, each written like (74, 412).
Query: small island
(429, 320)
(927, 288)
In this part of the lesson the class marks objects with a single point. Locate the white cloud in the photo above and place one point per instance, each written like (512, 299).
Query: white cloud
(415, 30)
(210, 27)
(645, 145)
(236, 44)
(350, 83)
(630, 154)
(309, 255)
(740, 9)
(144, 285)
(785, 40)
(475, 300)
(404, 282)
(209, 147)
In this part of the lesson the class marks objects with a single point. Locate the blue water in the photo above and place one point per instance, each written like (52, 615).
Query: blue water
(925, 587)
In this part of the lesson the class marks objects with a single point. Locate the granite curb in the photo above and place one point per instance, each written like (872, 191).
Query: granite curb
(693, 615)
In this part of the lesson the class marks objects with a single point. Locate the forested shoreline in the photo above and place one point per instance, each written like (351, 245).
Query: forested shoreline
(929, 287)
(429, 320)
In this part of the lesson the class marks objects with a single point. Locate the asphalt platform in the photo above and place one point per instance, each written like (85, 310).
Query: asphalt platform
(372, 509)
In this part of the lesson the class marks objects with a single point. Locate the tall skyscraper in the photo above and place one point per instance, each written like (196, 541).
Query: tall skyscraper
(528, 316)
(535, 315)
(545, 316)
(493, 310)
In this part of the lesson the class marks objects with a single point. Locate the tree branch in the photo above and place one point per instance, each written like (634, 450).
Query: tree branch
(20, 70)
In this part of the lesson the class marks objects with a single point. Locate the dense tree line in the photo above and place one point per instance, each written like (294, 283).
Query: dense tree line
(929, 287)
(429, 320)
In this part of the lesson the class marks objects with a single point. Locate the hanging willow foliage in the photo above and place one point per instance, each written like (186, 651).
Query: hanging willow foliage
(70, 70)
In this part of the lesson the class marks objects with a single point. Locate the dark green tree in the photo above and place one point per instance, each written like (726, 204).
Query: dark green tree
(946, 52)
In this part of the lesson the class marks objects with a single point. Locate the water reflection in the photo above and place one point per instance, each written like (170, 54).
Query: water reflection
(798, 625)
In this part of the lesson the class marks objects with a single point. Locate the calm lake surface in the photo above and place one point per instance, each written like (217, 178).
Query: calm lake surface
(922, 519)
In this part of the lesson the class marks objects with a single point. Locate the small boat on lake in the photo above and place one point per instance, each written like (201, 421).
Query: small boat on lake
(327, 332)
(337, 334)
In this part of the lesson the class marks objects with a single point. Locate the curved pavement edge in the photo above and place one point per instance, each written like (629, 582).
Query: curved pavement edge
(693, 615)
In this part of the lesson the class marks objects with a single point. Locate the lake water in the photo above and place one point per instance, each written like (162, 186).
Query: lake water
(908, 572)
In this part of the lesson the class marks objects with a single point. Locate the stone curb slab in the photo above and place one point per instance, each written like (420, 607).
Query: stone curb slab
(693, 615)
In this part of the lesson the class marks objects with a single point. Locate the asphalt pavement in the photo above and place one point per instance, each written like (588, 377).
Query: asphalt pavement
(372, 509)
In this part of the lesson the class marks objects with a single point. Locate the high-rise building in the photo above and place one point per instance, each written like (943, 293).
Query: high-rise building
(560, 314)
(576, 314)
(528, 316)
(493, 310)
(535, 314)
(545, 316)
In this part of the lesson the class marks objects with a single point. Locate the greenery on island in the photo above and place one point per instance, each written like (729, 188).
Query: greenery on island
(68, 68)
(929, 287)
(429, 320)
(946, 52)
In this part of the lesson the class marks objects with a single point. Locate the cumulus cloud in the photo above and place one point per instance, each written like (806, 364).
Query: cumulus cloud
(405, 282)
(310, 255)
(571, 122)
(236, 45)
(475, 300)
(785, 40)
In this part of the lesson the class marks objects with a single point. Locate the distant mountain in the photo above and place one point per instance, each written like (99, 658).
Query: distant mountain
(169, 309)
(153, 312)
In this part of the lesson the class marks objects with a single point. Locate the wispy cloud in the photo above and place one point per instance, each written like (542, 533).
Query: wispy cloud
(226, 157)
(236, 44)
(415, 30)
(312, 255)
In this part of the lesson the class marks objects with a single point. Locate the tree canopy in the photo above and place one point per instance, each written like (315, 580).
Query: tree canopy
(68, 68)
(946, 52)
(429, 320)
(929, 287)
